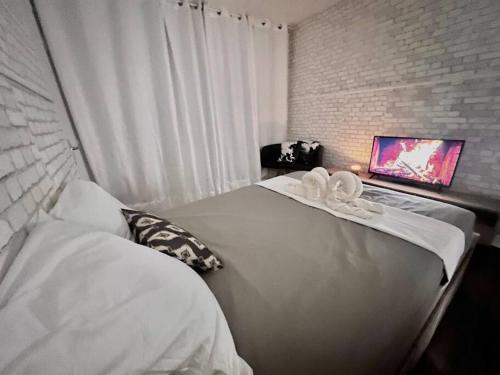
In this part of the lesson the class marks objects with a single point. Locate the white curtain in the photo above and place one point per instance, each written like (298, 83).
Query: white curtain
(270, 58)
(171, 101)
(234, 96)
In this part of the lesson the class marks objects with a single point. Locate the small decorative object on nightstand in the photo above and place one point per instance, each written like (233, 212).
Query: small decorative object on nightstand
(356, 168)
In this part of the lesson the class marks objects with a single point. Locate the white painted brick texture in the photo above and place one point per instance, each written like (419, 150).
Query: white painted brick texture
(35, 160)
(426, 68)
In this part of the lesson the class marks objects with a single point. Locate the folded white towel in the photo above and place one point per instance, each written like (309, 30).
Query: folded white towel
(314, 185)
(345, 188)
(323, 172)
(346, 207)
(346, 185)
(297, 189)
(341, 192)
(314, 180)
(369, 206)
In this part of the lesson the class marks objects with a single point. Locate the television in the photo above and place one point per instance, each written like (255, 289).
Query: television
(420, 160)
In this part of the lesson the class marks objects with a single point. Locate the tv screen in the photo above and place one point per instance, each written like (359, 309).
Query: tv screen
(430, 161)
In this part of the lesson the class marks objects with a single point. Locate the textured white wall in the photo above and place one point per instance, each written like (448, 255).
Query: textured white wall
(427, 68)
(35, 160)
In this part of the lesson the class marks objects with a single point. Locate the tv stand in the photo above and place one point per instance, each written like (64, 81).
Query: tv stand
(487, 210)
(409, 183)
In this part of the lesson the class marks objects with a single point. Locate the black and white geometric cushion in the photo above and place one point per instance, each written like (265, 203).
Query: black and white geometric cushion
(306, 151)
(160, 234)
(289, 151)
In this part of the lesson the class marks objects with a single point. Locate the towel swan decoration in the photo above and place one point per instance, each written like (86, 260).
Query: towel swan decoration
(314, 185)
(341, 192)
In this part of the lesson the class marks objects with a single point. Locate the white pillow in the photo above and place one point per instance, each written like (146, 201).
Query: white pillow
(85, 202)
(73, 294)
(39, 218)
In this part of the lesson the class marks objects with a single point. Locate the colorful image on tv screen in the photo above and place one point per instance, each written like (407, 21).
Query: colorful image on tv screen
(431, 161)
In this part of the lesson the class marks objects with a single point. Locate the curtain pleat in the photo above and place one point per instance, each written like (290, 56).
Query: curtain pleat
(171, 102)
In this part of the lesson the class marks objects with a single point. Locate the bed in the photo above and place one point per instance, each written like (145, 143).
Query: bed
(308, 293)
(301, 291)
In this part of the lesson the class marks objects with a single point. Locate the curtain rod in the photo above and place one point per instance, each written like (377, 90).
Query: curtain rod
(195, 5)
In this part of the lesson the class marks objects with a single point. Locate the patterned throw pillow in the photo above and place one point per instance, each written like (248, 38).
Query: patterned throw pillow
(306, 151)
(160, 234)
(289, 152)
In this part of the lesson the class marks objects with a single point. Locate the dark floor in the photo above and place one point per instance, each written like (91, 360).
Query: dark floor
(468, 339)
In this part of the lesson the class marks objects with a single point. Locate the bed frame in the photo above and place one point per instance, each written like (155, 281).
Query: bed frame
(443, 301)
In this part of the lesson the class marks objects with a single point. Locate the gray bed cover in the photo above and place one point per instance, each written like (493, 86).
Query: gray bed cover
(307, 293)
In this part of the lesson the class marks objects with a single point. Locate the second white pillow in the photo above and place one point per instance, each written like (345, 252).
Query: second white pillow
(85, 202)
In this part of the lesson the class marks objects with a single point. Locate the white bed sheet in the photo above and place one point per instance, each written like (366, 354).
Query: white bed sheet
(80, 302)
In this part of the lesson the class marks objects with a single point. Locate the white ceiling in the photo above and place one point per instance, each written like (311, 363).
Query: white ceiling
(277, 11)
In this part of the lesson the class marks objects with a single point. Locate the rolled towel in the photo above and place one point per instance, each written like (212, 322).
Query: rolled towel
(341, 192)
(355, 211)
(344, 191)
(323, 172)
(333, 201)
(347, 186)
(348, 208)
(313, 186)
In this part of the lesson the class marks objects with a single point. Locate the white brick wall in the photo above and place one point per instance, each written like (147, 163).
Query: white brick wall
(427, 68)
(35, 160)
